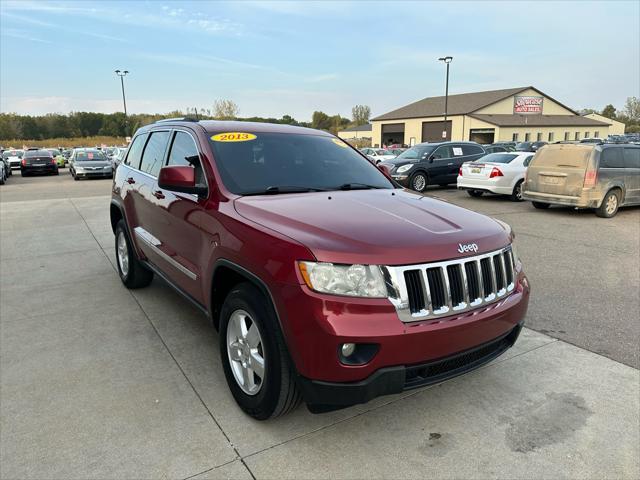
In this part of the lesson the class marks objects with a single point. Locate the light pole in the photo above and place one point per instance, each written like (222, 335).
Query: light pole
(123, 74)
(446, 60)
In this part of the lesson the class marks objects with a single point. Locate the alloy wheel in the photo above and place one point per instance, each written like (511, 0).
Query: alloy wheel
(245, 351)
(612, 204)
(123, 254)
(419, 182)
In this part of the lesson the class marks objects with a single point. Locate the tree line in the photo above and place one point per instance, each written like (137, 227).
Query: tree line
(90, 124)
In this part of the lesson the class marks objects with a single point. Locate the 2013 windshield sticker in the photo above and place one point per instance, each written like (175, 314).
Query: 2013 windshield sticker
(233, 137)
(339, 143)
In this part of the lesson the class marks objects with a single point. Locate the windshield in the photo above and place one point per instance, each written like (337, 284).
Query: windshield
(496, 158)
(90, 156)
(416, 153)
(12, 153)
(280, 162)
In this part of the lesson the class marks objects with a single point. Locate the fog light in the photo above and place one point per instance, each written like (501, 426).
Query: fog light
(347, 349)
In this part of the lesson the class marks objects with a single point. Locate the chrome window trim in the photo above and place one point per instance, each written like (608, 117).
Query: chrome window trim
(153, 243)
(398, 293)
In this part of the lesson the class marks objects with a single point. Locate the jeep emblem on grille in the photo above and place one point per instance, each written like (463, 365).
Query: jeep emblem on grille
(469, 247)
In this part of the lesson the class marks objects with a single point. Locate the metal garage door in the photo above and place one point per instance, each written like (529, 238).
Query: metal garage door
(393, 133)
(432, 131)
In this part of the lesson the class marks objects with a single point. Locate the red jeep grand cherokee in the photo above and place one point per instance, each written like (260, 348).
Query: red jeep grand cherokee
(326, 282)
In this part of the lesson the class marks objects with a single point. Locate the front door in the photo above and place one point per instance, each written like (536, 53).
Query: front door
(439, 165)
(177, 220)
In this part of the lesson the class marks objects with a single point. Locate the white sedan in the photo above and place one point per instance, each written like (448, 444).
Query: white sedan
(502, 173)
(377, 155)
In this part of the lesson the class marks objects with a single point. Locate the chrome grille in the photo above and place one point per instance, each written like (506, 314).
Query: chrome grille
(434, 290)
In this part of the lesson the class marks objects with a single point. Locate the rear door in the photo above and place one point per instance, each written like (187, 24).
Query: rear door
(632, 174)
(176, 219)
(128, 178)
(611, 169)
(559, 169)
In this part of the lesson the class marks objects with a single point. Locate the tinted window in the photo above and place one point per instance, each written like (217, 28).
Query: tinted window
(37, 153)
(632, 157)
(135, 151)
(444, 151)
(184, 152)
(290, 161)
(476, 150)
(527, 161)
(497, 158)
(611, 158)
(153, 156)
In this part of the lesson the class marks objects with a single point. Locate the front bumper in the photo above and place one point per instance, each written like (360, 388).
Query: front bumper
(386, 381)
(402, 179)
(315, 325)
(95, 174)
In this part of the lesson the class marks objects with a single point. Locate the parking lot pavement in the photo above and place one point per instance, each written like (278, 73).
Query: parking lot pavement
(101, 382)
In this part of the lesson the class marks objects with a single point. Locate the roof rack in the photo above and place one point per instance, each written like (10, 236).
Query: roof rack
(177, 119)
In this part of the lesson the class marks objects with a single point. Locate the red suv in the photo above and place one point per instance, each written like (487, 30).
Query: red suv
(327, 282)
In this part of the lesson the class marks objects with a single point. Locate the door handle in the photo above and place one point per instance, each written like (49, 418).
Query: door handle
(130, 180)
(450, 164)
(158, 194)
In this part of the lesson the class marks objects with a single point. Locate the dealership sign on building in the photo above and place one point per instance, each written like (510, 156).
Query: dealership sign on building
(527, 104)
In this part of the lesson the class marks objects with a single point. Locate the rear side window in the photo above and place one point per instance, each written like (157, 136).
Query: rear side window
(153, 156)
(527, 161)
(135, 151)
(475, 150)
(611, 158)
(632, 157)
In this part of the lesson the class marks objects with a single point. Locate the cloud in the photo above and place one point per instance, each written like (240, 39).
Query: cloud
(34, 105)
(8, 32)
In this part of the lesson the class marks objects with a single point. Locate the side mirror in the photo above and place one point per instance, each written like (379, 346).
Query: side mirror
(180, 178)
(386, 171)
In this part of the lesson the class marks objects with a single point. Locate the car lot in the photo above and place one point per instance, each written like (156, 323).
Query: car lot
(98, 381)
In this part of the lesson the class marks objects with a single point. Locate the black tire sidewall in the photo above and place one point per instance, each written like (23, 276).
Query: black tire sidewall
(514, 195)
(121, 228)
(246, 297)
(602, 211)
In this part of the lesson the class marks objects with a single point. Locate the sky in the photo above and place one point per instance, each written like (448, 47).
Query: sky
(275, 58)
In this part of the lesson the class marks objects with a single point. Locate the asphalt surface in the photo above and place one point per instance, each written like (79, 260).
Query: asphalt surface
(97, 381)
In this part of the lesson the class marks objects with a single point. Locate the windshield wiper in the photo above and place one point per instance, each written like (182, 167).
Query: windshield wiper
(275, 190)
(358, 186)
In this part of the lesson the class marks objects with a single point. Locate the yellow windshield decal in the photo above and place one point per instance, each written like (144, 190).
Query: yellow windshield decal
(233, 137)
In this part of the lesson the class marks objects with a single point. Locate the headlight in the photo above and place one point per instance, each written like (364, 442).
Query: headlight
(351, 280)
(404, 168)
(107, 167)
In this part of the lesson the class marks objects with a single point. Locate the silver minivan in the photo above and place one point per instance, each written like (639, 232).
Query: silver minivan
(600, 176)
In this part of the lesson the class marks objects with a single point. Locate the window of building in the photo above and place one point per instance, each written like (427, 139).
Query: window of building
(539, 137)
(596, 134)
(527, 137)
(135, 151)
(514, 137)
(611, 158)
(566, 136)
(153, 156)
(577, 136)
(586, 134)
(550, 137)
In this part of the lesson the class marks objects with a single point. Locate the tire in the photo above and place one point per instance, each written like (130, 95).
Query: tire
(516, 195)
(610, 204)
(132, 273)
(541, 206)
(419, 182)
(23, 174)
(2, 179)
(475, 193)
(75, 177)
(276, 392)
(57, 172)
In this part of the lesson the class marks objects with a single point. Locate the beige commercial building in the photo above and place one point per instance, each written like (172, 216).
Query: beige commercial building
(354, 133)
(514, 114)
(615, 127)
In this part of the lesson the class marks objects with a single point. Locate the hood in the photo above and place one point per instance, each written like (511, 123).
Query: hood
(390, 227)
